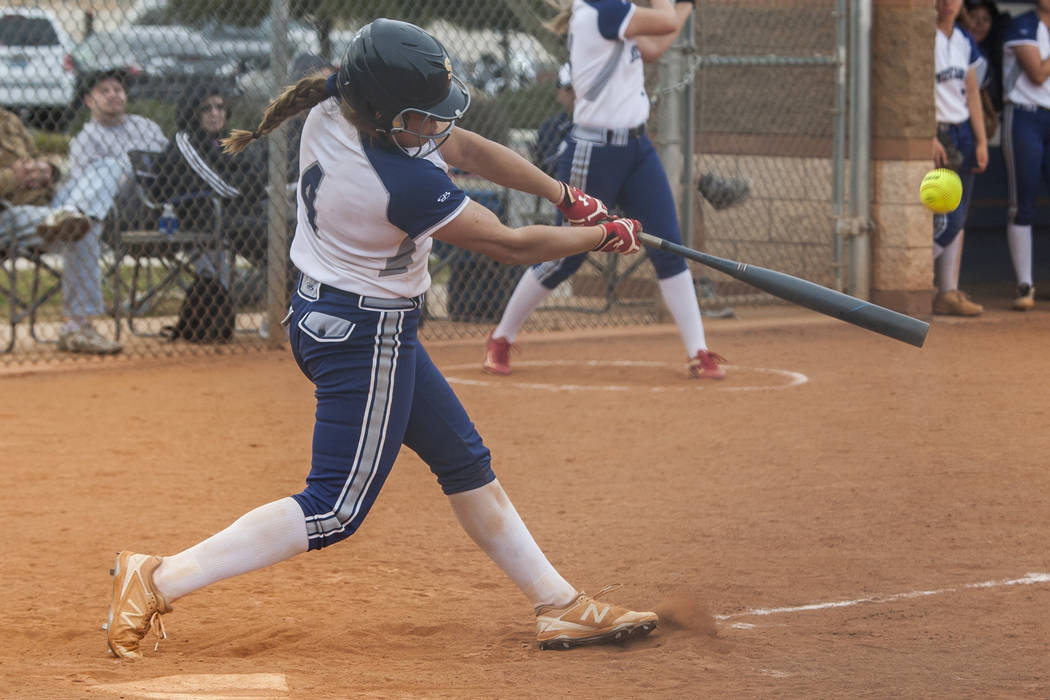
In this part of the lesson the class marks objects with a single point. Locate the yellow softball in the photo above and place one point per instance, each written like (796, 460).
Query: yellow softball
(941, 190)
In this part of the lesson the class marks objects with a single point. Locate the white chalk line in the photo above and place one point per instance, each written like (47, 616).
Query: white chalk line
(792, 379)
(1026, 580)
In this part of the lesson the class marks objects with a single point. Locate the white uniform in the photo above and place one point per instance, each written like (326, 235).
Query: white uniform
(953, 57)
(1017, 88)
(607, 74)
(366, 213)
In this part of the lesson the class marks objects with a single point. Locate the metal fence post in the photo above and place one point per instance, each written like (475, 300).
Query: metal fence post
(860, 150)
(277, 250)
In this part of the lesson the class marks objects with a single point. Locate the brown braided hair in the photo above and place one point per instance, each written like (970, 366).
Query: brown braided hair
(304, 94)
(559, 23)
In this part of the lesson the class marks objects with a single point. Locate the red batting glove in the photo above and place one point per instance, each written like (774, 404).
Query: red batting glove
(621, 236)
(581, 209)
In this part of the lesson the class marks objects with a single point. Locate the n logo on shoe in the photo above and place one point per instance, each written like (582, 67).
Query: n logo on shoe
(592, 611)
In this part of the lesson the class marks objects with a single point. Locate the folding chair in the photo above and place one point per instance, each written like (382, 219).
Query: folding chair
(162, 263)
(22, 305)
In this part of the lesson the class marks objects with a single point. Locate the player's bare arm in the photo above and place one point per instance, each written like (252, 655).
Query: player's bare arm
(1035, 68)
(973, 102)
(479, 230)
(495, 162)
(652, 32)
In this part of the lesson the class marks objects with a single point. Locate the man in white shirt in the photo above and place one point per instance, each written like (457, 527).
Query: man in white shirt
(99, 166)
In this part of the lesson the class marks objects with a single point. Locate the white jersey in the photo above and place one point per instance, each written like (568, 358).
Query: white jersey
(607, 74)
(953, 57)
(366, 213)
(1017, 88)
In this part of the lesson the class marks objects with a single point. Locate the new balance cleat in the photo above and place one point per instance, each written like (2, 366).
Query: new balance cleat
(586, 621)
(497, 356)
(706, 365)
(136, 606)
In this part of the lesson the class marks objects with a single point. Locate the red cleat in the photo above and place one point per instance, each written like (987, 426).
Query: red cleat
(497, 356)
(706, 365)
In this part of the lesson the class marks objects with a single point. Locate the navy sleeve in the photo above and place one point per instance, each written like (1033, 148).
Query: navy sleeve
(421, 194)
(1022, 29)
(610, 17)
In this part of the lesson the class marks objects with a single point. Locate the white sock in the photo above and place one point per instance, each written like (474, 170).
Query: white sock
(526, 297)
(1019, 239)
(680, 297)
(488, 516)
(269, 534)
(948, 265)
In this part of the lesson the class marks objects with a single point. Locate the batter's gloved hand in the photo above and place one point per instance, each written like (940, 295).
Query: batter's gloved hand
(621, 236)
(581, 209)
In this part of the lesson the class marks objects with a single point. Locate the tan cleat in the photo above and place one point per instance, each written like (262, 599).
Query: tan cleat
(136, 606)
(586, 621)
(1025, 299)
(955, 303)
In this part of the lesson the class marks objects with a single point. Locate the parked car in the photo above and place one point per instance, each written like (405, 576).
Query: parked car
(158, 60)
(36, 71)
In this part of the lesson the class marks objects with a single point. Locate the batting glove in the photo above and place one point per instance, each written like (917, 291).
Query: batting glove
(621, 236)
(581, 209)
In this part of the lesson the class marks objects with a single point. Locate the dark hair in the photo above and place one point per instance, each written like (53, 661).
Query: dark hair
(187, 117)
(990, 5)
(90, 80)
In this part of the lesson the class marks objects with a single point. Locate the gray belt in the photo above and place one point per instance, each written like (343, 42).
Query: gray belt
(611, 137)
(312, 290)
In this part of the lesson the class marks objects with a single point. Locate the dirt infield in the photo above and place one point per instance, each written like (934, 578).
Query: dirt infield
(845, 515)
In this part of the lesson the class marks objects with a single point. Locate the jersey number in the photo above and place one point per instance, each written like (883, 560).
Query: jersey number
(309, 183)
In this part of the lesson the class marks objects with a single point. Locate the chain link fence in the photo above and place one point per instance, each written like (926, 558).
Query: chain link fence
(123, 227)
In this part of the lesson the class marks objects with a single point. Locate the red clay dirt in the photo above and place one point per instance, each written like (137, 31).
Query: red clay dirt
(909, 486)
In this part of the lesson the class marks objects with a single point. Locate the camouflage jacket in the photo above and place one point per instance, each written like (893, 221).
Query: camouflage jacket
(15, 143)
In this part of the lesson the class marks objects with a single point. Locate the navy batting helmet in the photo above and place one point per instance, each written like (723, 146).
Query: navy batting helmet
(393, 67)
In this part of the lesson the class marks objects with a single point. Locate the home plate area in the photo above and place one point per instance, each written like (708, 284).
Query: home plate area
(621, 375)
(202, 686)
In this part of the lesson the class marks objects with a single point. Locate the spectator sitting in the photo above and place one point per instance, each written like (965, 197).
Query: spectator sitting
(34, 215)
(194, 162)
(555, 128)
(99, 153)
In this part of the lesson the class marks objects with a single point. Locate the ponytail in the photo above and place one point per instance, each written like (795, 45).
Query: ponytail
(304, 94)
(559, 23)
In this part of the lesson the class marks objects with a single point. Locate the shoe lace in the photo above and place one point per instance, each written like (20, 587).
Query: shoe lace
(608, 589)
(156, 626)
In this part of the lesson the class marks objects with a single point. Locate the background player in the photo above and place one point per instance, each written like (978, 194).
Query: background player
(373, 190)
(1026, 135)
(961, 145)
(609, 156)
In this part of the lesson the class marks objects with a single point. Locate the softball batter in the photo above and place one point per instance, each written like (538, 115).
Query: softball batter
(609, 155)
(961, 145)
(1026, 135)
(373, 191)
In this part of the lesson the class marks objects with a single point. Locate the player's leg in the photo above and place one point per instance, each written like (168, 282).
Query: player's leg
(574, 164)
(646, 196)
(362, 364)
(948, 234)
(442, 434)
(1023, 153)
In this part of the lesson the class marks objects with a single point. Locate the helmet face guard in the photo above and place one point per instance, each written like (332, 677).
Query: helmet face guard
(393, 70)
(429, 141)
